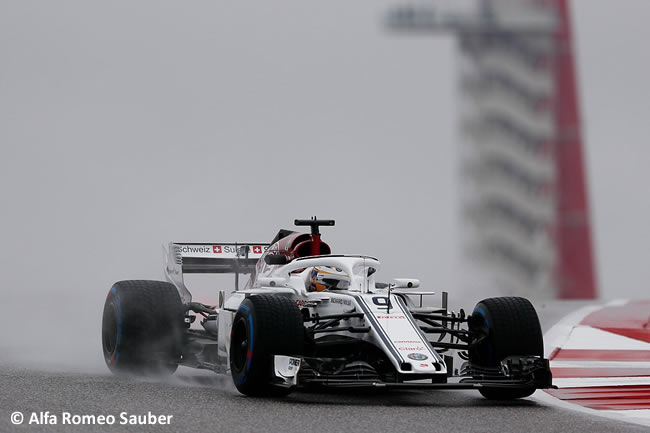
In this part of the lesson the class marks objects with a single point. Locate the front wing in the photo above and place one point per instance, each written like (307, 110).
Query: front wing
(513, 373)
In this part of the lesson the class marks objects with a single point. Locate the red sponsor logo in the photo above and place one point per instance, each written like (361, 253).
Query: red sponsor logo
(390, 317)
(257, 249)
(216, 249)
(424, 365)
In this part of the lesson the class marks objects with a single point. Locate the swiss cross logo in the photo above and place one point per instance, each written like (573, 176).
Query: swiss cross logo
(257, 249)
(216, 249)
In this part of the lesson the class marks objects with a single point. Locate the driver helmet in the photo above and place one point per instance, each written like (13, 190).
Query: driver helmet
(327, 277)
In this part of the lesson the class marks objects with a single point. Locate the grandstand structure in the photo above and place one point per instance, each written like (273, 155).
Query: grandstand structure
(526, 228)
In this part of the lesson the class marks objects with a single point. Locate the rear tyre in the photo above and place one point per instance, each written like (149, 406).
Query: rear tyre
(142, 328)
(512, 328)
(264, 326)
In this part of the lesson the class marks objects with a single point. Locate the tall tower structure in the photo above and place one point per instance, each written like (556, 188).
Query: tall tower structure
(526, 227)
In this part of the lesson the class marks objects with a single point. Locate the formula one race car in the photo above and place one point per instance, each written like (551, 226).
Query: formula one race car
(310, 318)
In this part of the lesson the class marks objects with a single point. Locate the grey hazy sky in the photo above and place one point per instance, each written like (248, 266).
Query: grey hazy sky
(126, 124)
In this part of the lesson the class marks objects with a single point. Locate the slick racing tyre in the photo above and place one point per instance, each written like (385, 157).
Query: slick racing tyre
(265, 325)
(142, 327)
(511, 327)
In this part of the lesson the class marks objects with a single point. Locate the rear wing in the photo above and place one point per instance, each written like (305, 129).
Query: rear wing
(209, 258)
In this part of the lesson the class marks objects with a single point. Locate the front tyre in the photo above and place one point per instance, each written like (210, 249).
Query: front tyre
(511, 327)
(142, 327)
(264, 326)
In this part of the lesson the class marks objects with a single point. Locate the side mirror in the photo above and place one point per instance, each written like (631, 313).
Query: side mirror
(405, 283)
(276, 259)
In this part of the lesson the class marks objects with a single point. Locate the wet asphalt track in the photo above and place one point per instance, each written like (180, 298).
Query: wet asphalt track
(201, 401)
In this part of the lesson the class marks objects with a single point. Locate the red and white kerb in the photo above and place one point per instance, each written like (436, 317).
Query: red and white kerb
(603, 361)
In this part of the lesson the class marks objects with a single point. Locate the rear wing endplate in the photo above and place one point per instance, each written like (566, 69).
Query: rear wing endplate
(209, 258)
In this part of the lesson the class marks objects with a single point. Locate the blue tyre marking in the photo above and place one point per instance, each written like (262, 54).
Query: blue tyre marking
(116, 354)
(250, 323)
(487, 325)
(245, 310)
(482, 313)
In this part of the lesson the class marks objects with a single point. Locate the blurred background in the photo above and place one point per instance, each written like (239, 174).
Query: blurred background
(435, 133)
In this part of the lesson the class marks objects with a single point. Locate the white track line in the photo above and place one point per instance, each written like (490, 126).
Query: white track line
(586, 382)
(559, 333)
(600, 364)
(588, 338)
(617, 415)
(639, 416)
(617, 303)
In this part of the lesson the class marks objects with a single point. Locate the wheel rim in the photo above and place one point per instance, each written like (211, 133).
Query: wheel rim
(239, 346)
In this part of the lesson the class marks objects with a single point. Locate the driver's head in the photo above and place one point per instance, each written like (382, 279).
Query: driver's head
(327, 277)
